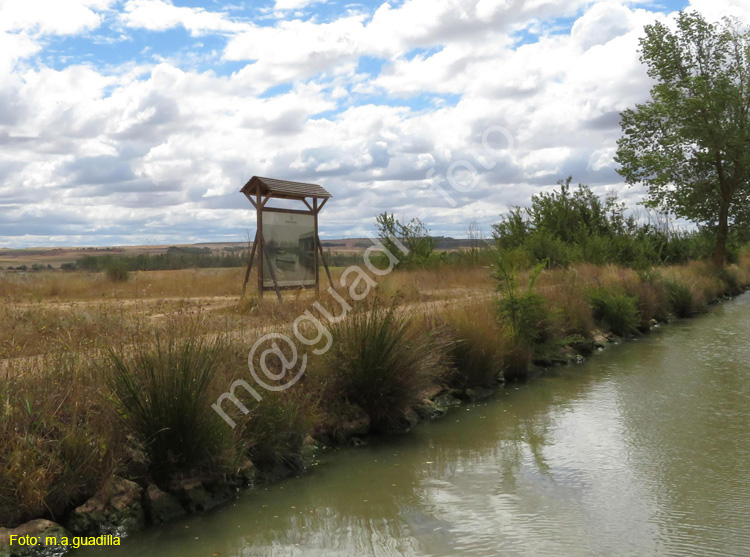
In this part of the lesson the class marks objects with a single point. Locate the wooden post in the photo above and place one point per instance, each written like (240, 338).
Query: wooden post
(270, 267)
(325, 263)
(317, 242)
(250, 263)
(259, 233)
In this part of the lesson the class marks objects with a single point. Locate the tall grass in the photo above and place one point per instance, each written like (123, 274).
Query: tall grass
(680, 298)
(58, 441)
(275, 430)
(565, 295)
(381, 361)
(478, 345)
(651, 300)
(164, 394)
(701, 279)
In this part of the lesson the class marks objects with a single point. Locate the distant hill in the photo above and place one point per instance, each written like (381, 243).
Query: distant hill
(44, 256)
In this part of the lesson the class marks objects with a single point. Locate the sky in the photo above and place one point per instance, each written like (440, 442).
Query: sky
(129, 122)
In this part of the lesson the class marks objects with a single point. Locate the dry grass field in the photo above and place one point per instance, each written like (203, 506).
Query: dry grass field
(79, 354)
(56, 256)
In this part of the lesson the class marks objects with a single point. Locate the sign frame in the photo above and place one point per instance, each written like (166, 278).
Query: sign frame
(259, 191)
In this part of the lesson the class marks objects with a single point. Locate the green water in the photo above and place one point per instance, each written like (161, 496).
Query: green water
(642, 450)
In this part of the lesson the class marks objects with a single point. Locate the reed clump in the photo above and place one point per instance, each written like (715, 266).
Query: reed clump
(381, 361)
(680, 298)
(275, 431)
(476, 353)
(163, 390)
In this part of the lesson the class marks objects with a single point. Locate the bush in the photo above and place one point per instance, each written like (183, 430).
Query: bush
(680, 298)
(615, 311)
(566, 226)
(552, 250)
(117, 271)
(525, 319)
(413, 234)
(164, 395)
(522, 313)
(381, 361)
(516, 258)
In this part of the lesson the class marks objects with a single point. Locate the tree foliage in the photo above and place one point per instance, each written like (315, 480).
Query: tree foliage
(567, 225)
(690, 143)
(568, 215)
(413, 234)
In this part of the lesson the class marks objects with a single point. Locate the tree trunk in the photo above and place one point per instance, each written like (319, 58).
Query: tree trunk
(722, 234)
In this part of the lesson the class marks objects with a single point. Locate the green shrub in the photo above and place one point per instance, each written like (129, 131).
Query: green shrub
(566, 225)
(523, 314)
(615, 310)
(516, 258)
(381, 361)
(164, 396)
(524, 317)
(680, 298)
(543, 246)
(117, 271)
(413, 234)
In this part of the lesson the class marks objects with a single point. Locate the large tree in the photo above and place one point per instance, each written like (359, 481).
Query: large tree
(690, 143)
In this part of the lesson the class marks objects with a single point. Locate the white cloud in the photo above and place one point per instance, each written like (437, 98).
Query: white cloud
(159, 15)
(296, 49)
(714, 10)
(294, 4)
(14, 47)
(299, 49)
(602, 23)
(443, 72)
(54, 17)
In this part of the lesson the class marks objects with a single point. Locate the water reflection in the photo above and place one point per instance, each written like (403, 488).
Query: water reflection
(641, 451)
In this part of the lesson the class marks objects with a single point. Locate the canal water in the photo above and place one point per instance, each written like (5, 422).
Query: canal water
(642, 450)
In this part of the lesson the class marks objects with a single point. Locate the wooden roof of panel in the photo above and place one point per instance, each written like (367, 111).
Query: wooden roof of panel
(283, 188)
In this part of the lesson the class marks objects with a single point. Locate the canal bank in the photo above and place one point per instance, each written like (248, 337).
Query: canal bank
(643, 449)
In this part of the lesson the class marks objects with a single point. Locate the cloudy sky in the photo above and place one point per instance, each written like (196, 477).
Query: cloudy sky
(137, 121)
